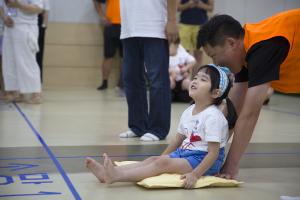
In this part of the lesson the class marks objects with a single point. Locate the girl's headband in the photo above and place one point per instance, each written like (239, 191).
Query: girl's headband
(224, 81)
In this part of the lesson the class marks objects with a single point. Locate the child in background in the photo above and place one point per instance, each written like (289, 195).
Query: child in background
(198, 147)
(180, 67)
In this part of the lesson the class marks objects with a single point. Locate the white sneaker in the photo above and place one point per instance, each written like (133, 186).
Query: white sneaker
(149, 137)
(128, 134)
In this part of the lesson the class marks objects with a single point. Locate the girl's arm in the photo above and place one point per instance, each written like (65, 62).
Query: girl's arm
(187, 5)
(209, 6)
(174, 144)
(212, 155)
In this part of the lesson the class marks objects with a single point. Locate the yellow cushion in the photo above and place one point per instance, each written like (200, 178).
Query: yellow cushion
(173, 180)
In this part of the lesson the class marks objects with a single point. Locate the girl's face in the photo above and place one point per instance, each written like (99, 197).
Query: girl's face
(200, 86)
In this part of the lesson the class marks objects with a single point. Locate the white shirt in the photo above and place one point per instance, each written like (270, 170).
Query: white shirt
(179, 60)
(19, 17)
(210, 125)
(143, 18)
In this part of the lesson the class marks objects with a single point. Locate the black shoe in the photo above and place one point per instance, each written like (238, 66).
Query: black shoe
(102, 87)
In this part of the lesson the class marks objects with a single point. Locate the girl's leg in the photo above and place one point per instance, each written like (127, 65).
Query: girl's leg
(98, 170)
(164, 164)
(138, 164)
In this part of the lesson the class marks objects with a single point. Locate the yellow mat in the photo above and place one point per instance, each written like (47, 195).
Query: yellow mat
(174, 181)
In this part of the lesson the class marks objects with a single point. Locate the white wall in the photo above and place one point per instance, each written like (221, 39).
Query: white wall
(82, 11)
(253, 10)
(73, 11)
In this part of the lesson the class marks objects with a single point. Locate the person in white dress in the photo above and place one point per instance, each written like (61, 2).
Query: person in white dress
(21, 72)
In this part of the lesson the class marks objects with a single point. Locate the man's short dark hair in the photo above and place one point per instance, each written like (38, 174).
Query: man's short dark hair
(217, 29)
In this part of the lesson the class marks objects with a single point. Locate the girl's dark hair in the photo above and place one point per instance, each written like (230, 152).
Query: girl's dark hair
(215, 80)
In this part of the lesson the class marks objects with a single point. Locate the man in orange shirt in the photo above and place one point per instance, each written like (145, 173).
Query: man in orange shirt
(112, 28)
(261, 55)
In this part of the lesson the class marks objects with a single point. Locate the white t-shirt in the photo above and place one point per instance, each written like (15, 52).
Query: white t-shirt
(143, 18)
(210, 125)
(179, 60)
(20, 17)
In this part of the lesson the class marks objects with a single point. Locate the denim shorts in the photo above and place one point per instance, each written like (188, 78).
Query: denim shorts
(196, 157)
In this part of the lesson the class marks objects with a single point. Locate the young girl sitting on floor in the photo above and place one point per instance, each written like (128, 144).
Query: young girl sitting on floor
(198, 147)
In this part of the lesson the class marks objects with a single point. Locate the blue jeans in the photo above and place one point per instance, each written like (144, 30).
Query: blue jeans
(147, 57)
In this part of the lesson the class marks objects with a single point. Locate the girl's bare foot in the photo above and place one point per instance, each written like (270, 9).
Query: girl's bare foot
(110, 171)
(96, 168)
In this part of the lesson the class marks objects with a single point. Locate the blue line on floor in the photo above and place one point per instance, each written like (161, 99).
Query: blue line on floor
(135, 156)
(51, 154)
(37, 194)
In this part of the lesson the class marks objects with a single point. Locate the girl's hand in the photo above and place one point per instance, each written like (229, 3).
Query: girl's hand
(190, 180)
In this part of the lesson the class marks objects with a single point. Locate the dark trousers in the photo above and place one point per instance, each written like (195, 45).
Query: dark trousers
(147, 57)
(41, 41)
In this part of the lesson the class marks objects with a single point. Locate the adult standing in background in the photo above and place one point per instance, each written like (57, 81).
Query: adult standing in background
(111, 20)
(21, 72)
(193, 14)
(146, 28)
(42, 23)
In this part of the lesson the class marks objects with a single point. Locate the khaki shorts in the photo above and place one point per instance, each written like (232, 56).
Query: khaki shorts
(188, 36)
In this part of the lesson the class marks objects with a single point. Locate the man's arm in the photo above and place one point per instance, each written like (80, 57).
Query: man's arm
(244, 128)
(101, 13)
(26, 8)
(171, 28)
(237, 95)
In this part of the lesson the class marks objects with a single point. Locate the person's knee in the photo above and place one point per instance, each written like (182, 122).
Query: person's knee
(152, 158)
(162, 162)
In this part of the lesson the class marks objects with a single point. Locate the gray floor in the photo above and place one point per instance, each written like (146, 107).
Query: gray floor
(42, 149)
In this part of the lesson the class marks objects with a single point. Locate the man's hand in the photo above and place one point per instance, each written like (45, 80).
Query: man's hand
(228, 172)
(190, 179)
(8, 21)
(171, 31)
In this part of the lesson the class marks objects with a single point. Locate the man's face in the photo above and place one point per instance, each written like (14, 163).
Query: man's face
(230, 54)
